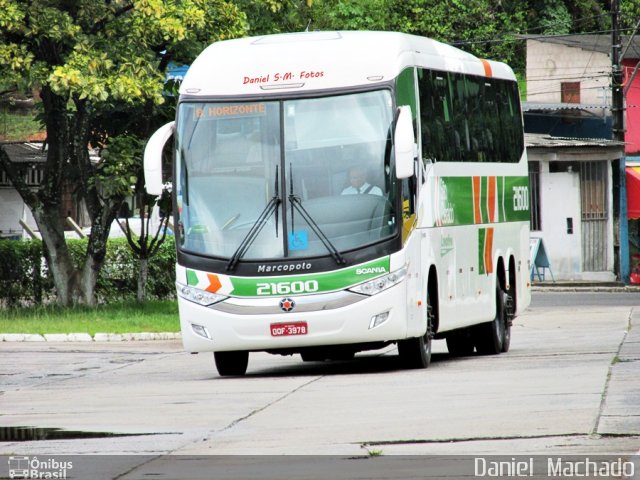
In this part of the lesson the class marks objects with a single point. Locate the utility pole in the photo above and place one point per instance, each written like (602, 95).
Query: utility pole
(617, 111)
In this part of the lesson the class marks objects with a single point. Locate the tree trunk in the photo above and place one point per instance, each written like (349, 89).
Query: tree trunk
(65, 278)
(143, 274)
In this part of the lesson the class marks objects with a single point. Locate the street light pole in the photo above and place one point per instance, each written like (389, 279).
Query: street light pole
(617, 111)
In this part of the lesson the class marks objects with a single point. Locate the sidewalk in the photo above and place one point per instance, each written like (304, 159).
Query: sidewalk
(85, 337)
(582, 286)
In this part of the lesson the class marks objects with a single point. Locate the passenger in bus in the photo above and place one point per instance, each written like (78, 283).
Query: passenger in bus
(358, 183)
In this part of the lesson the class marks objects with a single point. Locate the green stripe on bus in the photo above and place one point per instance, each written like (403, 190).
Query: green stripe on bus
(192, 278)
(309, 283)
(459, 196)
(482, 233)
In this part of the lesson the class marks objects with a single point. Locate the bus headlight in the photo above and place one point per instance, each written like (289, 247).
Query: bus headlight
(201, 297)
(380, 284)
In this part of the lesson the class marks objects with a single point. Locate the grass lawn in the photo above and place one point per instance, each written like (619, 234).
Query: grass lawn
(130, 317)
(15, 126)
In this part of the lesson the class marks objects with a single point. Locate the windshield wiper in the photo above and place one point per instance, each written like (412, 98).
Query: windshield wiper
(296, 204)
(258, 225)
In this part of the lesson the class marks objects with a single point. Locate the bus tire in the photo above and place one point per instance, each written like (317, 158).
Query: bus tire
(231, 363)
(460, 343)
(510, 314)
(490, 337)
(416, 352)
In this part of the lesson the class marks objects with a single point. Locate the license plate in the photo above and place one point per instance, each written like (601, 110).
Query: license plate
(287, 329)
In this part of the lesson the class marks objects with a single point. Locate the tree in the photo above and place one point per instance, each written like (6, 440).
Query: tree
(462, 22)
(630, 14)
(89, 59)
(126, 175)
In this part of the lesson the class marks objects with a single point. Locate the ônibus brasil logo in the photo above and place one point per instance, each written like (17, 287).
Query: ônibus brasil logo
(33, 467)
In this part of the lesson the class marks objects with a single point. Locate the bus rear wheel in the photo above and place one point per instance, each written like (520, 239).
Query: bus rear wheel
(416, 352)
(494, 337)
(231, 363)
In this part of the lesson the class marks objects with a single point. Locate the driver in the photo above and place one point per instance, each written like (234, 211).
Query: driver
(358, 183)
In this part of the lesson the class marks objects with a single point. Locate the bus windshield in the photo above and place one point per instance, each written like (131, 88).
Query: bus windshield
(324, 163)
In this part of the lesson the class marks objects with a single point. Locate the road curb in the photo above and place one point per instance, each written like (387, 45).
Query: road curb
(584, 287)
(85, 337)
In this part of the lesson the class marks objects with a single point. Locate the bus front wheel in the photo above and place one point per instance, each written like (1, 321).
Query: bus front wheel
(416, 352)
(231, 363)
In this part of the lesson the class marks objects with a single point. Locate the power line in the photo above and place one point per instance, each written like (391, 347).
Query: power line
(521, 37)
(544, 78)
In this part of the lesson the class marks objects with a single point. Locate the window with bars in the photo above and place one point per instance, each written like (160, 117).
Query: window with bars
(535, 223)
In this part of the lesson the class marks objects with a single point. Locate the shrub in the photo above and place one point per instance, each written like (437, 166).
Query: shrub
(23, 273)
(25, 280)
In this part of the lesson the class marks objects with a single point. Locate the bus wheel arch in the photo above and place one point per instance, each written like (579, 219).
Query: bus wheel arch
(501, 275)
(416, 352)
(432, 297)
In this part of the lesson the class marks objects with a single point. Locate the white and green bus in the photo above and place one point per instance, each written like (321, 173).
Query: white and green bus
(336, 192)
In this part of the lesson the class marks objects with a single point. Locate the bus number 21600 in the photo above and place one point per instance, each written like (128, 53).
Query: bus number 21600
(286, 288)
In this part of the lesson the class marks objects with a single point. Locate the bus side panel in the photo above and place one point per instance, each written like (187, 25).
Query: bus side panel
(467, 274)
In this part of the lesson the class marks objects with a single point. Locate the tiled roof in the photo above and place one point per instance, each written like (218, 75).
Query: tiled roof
(25, 152)
(547, 141)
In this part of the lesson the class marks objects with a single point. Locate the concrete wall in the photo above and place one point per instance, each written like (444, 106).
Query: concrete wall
(548, 65)
(12, 209)
(560, 200)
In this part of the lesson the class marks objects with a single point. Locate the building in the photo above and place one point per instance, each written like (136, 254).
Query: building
(572, 204)
(15, 216)
(16, 219)
(573, 163)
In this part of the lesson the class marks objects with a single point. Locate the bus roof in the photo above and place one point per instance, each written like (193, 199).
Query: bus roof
(310, 61)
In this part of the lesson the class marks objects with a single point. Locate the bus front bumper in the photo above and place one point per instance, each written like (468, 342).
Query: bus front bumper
(315, 320)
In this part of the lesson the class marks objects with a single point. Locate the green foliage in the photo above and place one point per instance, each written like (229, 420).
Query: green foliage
(18, 126)
(106, 50)
(629, 13)
(21, 273)
(99, 66)
(351, 15)
(485, 28)
(453, 20)
(552, 17)
(24, 279)
(119, 168)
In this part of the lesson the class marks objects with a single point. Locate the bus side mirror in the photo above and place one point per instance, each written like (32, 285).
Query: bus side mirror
(153, 159)
(404, 142)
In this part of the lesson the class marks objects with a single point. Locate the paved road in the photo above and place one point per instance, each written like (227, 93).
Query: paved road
(547, 299)
(568, 385)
